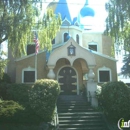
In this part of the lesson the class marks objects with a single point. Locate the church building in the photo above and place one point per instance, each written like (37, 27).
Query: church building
(79, 55)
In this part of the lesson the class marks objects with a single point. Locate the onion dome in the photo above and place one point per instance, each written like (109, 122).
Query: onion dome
(85, 15)
(87, 11)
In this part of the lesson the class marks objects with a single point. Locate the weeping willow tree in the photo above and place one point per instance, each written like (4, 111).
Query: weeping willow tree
(118, 22)
(49, 25)
(118, 27)
(17, 20)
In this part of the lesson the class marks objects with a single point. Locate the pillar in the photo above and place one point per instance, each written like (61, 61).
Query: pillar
(91, 88)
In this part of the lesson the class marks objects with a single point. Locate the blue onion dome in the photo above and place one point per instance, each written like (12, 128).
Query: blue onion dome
(85, 16)
(87, 10)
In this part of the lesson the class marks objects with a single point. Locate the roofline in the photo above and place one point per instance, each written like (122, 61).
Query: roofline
(58, 45)
(31, 55)
(102, 55)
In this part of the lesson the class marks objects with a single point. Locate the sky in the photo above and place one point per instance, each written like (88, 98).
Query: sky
(98, 5)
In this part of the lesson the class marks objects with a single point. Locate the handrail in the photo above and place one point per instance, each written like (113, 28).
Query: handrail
(89, 97)
(56, 119)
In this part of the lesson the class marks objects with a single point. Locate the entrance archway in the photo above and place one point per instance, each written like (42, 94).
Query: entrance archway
(67, 78)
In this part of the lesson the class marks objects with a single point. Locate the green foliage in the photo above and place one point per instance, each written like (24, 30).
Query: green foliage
(17, 19)
(3, 64)
(19, 93)
(38, 101)
(115, 97)
(5, 78)
(117, 22)
(43, 97)
(48, 28)
(3, 90)
(125, 70)
(8, 110)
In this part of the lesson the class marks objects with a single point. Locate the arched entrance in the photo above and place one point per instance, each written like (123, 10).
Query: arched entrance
(67, 78)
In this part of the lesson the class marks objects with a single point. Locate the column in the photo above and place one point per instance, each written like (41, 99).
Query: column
(91, 88)
(91, 75)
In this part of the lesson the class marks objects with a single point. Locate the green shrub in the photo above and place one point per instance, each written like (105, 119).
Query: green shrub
(9, 110)
(115, 99)
(19, 93)
(43, 97)
(3, 90)
(5, 78)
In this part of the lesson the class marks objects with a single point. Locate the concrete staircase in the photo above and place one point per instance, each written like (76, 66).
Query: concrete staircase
(75, 114)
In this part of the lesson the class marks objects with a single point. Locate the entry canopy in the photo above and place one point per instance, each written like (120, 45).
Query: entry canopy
(80, 52)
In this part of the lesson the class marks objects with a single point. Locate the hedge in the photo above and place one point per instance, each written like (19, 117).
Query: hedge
(43, 97)
(37, 108)
(115, 100)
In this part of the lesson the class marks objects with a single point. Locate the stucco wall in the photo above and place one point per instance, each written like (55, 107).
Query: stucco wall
(30, 62)
(104, 62)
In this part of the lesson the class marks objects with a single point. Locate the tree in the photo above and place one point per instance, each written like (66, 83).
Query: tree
(125, 70)
(19, 17)
(17, 20)
(117, 22)
(118, 27)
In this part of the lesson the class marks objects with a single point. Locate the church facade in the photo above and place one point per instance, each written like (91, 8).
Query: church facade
(79, 55)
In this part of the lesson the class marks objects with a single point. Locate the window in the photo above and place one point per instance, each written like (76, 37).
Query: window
(93, 47)
(30, 49)
(77, 38)
(28, 75)
(65, 37)
(104, 74)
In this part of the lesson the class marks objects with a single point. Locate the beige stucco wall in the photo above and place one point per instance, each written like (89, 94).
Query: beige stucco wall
(30, 62)
(105, 62)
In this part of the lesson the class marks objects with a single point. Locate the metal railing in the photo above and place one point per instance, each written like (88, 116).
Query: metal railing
(55, 122)
(89, 97)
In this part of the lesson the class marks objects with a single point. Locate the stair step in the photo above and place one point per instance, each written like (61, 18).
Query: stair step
(80, 125)
(75, 114)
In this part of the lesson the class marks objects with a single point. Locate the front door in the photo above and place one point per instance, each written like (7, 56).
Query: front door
(68, 80)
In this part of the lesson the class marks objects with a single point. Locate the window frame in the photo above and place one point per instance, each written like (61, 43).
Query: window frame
(93, 43)
(64, 36)
(28, 69)
(104, 69)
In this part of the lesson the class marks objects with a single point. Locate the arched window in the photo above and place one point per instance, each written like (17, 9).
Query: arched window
(65, 37)
(77, 38)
